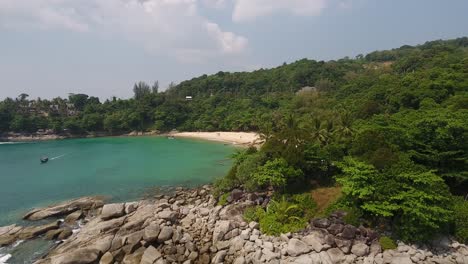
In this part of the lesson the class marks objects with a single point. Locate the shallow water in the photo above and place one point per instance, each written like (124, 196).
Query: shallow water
(120, 167)
(123, 168)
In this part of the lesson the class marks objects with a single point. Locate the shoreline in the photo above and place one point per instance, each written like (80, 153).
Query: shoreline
(189, 226)
(234, 138)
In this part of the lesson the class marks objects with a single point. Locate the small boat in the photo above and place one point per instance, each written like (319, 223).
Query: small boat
(44, 159)
(170, 137)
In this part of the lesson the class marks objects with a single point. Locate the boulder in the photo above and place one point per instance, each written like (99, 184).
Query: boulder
(131, 207)
(321, 222)
(110, 211)
(151, 232)
(336, 255)
(107, 258)
(349, 232)
(167, 215)
(343, 244)
(296, 247)
(313, 242)
(219, 257)
(34, 231)
(401, 259)
(335, 229)
(235, 195)
(150, 255)
(240, 260)
(52, 234)
(222, 227)
(73, 217)
(165, 234)
(66, 233)
(360, 249)
(79, 256)
(84, 203)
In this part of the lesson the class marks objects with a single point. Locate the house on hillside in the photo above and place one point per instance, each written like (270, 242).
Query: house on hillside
(188, 98)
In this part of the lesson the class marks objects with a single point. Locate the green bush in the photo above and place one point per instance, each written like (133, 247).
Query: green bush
(306, 203)
(275, 173)
(387, 243)
(417, 202)
(283, 214)
(460, 219)
(353, 214)
(223, 199)
(253, 213)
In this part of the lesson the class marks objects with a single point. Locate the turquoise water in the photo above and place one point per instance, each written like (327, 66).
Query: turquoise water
(121, 168)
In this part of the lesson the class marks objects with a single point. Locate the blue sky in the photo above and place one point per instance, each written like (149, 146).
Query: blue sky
(51, 48)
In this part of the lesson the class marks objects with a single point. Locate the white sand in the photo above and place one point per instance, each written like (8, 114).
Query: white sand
(237, 138)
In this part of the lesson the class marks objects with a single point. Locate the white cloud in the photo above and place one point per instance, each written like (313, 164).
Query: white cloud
(166, 26)
(218, 4)
(248, 10)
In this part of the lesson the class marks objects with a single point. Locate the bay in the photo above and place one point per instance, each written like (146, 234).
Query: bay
(122, 168)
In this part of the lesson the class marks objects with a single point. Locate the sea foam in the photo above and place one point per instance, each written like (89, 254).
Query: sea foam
(4, 258)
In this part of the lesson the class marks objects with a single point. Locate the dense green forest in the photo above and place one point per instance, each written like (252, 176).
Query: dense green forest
(389, 128)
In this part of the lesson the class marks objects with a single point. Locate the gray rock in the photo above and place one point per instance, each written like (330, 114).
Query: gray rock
(325, 258)
(360, 249)
(313, 242)
(167, 215)
(305, 259)
(336, 256)
(219, 257)
(84, 203)
(150, 255)
(343, 244)
(107, 258)
(222, 227)
(79, 256)
(151, 232)
(349, 232)
(321, 222)
(401, 259)
(110, 211)
(73, 217)
(240, 260)
(165, 234)
(254, 225)
(296, 247)
(131, 207)
(335, 229)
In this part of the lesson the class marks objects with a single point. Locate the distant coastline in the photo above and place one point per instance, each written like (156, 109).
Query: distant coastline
(235, 138)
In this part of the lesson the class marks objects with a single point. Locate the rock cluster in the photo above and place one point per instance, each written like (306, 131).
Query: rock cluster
(189, 227)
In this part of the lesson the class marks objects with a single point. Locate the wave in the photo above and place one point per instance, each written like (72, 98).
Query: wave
(17, 243)
(4, 258)
(11, 143)
(58, 157)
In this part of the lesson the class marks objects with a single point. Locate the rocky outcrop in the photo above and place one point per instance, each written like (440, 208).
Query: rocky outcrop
(84, 204)
(189, 227)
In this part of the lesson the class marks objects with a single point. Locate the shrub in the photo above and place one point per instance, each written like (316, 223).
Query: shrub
(460, 219)
(253, 213)
(387, 243)
(306, 203)
(353, 214)
(417, 202)
(283, 214)
(223, 199)
(275, 173)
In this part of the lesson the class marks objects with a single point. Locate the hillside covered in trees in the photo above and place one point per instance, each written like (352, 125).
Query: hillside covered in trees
(389, 127)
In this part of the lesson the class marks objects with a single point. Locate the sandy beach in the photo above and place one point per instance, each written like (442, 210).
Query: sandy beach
(236, 138)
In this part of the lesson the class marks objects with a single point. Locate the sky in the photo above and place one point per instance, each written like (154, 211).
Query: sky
(51, 48)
